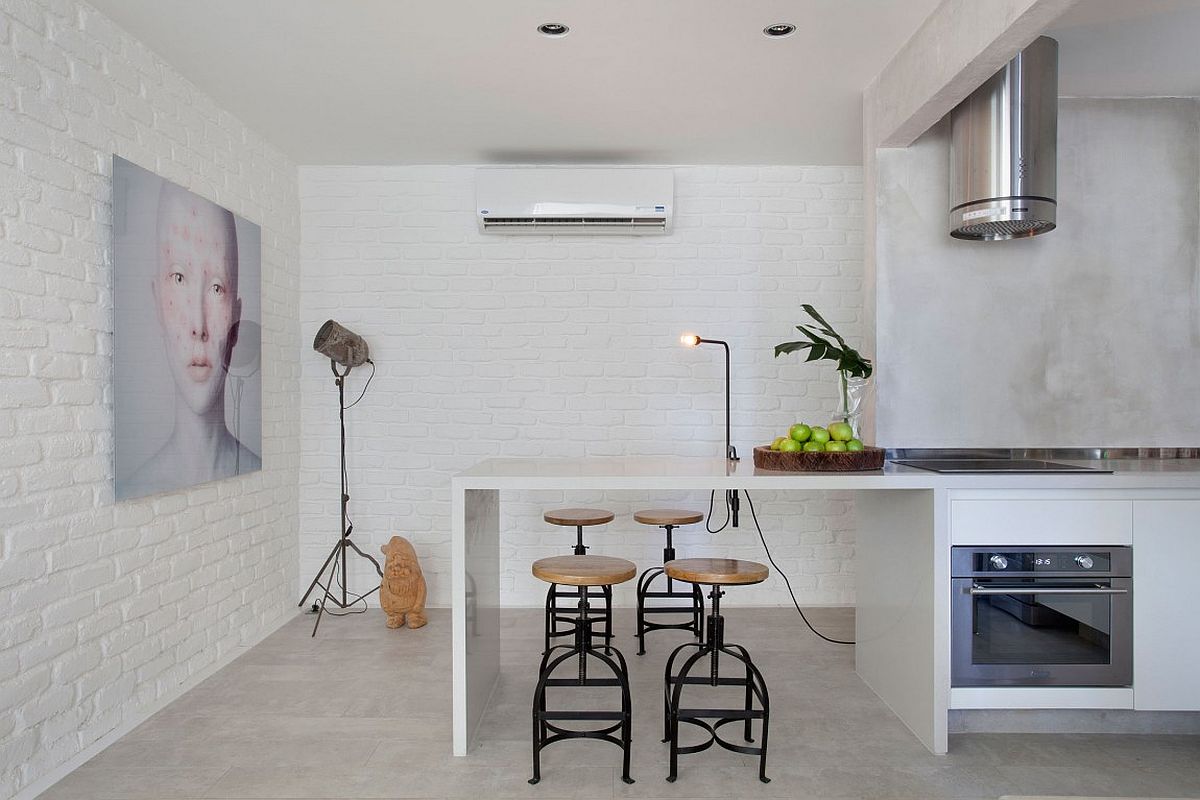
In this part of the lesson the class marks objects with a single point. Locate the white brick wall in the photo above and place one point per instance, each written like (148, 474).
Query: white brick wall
(107, 609)
(558, 346)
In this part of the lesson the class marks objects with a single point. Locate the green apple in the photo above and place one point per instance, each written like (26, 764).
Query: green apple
(813, 447)
(789, 446)
(778, 441)
(835, 447)
(800, 432)
(820, 435)
(854, 446)
(840, 432)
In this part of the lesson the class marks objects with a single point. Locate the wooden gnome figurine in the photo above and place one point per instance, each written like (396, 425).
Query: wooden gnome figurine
(402, 592)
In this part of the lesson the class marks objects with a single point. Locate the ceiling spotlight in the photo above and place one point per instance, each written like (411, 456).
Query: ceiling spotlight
(553, 29)
(779, 29)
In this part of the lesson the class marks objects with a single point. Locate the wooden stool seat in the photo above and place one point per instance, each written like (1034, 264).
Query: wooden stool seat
(577, 517)
(667, 516)
(584, 570)
(716, 571)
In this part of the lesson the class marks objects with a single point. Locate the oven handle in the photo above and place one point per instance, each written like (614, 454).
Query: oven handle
(976, 589)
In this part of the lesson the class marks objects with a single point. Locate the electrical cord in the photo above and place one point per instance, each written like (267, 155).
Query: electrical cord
(365, 386)
(767, 550)
(351, 607)
(712, 496)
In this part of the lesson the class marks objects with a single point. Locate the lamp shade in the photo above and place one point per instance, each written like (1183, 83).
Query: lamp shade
(341, 345)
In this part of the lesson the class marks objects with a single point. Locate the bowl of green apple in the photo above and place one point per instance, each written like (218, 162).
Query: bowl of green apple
(817, 448)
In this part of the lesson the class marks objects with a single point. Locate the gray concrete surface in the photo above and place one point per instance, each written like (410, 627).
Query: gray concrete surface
(1087, 335)
(363, 712)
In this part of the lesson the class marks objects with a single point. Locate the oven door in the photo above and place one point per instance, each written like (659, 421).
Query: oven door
(1042, 632)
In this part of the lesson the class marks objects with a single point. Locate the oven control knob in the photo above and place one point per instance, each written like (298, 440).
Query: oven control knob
(999, 561)
(1085, 561)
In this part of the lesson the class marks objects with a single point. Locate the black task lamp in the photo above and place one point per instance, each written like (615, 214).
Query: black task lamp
(731, 495)
(345, 347)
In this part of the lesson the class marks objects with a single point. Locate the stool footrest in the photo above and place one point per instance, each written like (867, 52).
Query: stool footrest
(580, 715)
(707, 681)
(648, 626)
(586, 682)
(717, 713)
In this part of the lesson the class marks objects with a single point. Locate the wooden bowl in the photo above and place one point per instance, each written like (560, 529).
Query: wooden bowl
(869, 458)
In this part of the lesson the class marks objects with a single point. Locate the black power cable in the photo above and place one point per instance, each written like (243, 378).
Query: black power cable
(712, 496)
(767, 550)
(366, 386)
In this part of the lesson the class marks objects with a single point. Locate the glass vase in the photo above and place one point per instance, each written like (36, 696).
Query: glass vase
(852, 392)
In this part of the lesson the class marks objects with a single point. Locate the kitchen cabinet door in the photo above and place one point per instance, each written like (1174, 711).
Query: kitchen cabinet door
(1166, 613)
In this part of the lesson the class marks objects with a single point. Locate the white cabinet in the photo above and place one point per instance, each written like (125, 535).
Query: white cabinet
(1166, 613)
(1002, 520)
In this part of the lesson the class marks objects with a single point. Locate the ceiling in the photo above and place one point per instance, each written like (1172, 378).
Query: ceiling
(472, 81)
(1128, 48)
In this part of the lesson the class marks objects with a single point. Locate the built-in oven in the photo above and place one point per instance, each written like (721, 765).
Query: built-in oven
(1041, 616)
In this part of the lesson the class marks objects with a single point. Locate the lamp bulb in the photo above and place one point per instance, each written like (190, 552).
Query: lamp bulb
(689, 340)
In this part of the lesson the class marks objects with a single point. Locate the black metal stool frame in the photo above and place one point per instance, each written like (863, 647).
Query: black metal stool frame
(560, 624)
(756, 689)
(545, 732)
(696, 609)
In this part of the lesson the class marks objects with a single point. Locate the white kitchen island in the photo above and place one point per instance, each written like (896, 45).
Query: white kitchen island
(904, 533)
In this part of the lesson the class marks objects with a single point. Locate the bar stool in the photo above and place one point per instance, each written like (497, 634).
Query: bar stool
(585, 572)
(559, 624)
(668, 520)
(715, 572)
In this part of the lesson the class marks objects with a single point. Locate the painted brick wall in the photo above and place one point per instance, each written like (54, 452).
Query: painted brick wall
(109, 610)
(561, 346)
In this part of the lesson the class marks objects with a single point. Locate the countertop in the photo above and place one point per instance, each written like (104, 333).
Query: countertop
(675, 472)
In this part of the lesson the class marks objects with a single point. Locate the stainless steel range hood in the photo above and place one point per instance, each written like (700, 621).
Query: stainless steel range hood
(1004, 140)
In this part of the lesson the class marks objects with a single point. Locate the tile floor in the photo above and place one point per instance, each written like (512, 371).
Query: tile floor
(364, 712)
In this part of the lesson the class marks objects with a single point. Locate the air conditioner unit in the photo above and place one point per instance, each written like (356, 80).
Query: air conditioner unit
(583, 200)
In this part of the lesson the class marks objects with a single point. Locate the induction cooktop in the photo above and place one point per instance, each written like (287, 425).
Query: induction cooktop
(1009, 465)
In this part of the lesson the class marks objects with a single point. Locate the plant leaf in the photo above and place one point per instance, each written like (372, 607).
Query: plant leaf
(849, 360)
(812, 335)
(826, 327)
(790, 347)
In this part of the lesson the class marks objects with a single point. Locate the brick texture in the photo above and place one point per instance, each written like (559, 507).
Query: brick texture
(110, 608)
(568, 346)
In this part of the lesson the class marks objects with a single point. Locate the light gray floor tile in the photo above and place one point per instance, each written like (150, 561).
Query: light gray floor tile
(134, 782)
(364, 712)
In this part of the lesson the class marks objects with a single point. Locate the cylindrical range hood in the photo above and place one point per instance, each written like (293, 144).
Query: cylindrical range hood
(1004, 141)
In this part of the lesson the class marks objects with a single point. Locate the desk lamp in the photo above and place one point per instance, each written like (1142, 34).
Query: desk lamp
(692, 340)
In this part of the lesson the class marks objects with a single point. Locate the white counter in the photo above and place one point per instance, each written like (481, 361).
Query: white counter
(667, 472)
(902, 556)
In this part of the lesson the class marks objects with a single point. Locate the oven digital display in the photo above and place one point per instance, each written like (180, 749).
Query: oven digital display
(1082, 561)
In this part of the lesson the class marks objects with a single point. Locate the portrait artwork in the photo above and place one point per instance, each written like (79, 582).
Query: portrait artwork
(187, 337)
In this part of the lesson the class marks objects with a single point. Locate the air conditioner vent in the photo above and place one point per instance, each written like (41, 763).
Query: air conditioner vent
(586, 200)
(615, 222)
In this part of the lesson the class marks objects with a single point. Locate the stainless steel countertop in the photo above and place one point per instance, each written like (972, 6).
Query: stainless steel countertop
(1073, 454)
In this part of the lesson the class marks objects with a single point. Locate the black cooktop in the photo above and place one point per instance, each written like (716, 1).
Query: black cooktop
(1009, 465)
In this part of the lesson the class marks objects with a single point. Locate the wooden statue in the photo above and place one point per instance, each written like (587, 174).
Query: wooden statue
(402, 592)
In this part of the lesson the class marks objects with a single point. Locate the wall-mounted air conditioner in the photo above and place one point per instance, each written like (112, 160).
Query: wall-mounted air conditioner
(576, 200)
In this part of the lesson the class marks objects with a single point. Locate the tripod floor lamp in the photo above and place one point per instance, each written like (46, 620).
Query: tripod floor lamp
(346, 348)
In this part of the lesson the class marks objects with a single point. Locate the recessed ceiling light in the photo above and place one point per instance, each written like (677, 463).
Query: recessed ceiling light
(779, 29)
(553, 29)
